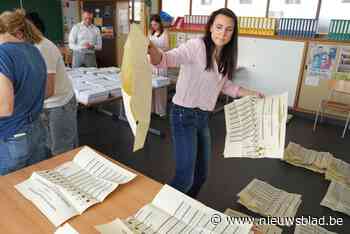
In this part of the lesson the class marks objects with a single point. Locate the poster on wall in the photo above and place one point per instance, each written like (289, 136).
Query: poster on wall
(321, 63)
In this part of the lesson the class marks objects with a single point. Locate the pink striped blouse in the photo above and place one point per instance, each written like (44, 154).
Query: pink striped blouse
(196, 87)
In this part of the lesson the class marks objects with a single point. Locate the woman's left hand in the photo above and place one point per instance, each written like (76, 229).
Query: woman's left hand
(247, 92)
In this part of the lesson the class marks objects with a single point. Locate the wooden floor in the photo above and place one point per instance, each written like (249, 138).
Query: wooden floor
(227, 176)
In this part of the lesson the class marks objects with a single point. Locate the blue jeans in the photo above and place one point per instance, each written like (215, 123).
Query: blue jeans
(60, 124)
(25, 148)
(192, 148)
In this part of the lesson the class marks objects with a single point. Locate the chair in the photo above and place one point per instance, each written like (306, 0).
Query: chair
(336, 86)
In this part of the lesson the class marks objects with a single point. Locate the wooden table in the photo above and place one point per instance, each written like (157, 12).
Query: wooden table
(19, 215)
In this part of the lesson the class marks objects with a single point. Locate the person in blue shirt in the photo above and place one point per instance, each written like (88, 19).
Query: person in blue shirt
(22, 88)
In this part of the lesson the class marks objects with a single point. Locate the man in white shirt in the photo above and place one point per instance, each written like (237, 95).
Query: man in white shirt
(84, 39)
(59, 116)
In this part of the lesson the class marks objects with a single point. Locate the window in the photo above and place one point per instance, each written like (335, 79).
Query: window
(332, 9)
(135, 10)
(206, 7)
(255, 8)
(292, 1)
(245, 1)
(293, 8)
(176, 8)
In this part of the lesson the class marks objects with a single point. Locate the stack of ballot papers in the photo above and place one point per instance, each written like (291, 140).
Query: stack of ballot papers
(74, 186)
(262, 198)
(307, 158)
(173, 212)
(93, 85)
(266, 229)
(256, 127)
(339, 171)
(160, 81)
(311, 229)
(337, 198)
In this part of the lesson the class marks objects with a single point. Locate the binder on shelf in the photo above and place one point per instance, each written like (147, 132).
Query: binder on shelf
(339, 29)
(296, 27)
(256, 25)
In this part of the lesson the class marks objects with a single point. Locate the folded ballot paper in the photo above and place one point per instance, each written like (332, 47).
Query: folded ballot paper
(136, 77)
(256, 127)
(173, 212)
(266, 229)
(74, 186)
(307, 158)
(337, 198)
(338, 171)
(311, 229)
(262, 198)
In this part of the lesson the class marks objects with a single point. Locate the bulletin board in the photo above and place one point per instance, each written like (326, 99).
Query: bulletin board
(325, 61)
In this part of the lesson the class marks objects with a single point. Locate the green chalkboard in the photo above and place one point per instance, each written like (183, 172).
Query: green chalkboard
(49, 10)
(6, 5)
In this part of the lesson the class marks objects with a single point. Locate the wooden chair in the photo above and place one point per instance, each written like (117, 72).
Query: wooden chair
(340, 87)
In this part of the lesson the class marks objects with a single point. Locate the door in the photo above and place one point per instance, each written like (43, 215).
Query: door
(105, 20)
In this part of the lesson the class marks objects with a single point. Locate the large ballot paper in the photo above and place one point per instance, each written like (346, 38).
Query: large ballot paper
(136, 76)
(74, 186)
(173, 212)
(256, 127)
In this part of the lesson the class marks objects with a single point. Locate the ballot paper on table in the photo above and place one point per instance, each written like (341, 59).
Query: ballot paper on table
(173, 212)
(262, 198)
(115, 227)
(74, 186)
(136, 76)
(66, 229)
(256, 127)
(337, 198)
(266, 229)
